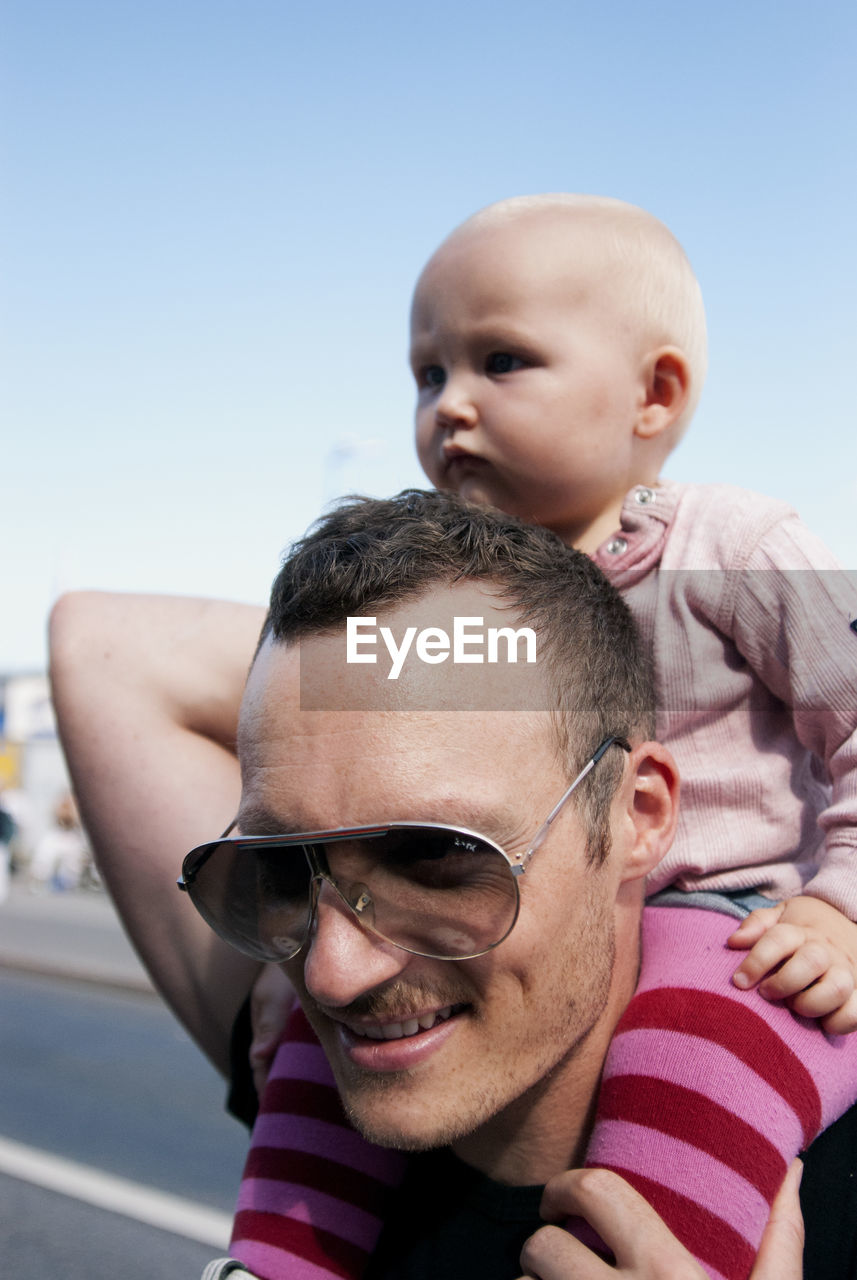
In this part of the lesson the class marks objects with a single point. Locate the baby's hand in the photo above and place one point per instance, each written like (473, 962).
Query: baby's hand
(802, 951)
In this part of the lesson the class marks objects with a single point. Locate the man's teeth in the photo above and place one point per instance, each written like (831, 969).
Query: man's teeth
(410, 1027)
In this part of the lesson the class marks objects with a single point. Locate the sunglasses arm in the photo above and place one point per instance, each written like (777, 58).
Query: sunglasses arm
(181, 882)
(542, 833)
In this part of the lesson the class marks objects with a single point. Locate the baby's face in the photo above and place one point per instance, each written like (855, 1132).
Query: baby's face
(529, 380)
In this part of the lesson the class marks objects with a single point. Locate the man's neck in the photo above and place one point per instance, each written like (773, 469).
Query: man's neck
(543, 1132)
(547, 1130)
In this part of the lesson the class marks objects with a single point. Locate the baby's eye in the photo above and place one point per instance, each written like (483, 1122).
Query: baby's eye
(503, 362)
(432, 376)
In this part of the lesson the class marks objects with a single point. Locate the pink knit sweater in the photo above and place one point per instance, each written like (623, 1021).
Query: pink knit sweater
(756, 666)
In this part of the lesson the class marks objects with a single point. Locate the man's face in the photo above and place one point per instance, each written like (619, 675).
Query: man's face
(529, 377)
(426, 1051)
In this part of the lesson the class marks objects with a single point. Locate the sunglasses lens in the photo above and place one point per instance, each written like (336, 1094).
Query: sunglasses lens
(256, 897)
(432, 891)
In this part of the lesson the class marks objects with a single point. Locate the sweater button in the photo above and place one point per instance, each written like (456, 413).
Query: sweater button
(644, 496)
(616, 546)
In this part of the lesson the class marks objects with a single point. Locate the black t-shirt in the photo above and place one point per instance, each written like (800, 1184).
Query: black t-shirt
(451, 1221)
(476, 1228)
(828, 1196)
(448, 1220)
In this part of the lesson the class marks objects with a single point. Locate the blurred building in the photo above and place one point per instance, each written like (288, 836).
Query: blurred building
(32, 769)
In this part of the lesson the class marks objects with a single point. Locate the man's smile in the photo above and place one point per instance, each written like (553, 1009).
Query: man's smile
(390, 1047)
(400, 1030)
(392, 1030)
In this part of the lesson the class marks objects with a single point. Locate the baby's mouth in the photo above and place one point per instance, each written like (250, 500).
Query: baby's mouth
(454, 456)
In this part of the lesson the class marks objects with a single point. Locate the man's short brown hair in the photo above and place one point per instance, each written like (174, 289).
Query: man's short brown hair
(370, 553)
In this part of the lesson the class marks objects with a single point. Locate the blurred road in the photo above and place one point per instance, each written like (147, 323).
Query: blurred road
(116, 1157)
(68, 935)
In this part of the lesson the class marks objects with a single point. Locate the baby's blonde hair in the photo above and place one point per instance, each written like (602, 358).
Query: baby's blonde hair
(651, 276)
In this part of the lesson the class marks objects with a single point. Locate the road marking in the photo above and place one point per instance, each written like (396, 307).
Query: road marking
(118, 1195)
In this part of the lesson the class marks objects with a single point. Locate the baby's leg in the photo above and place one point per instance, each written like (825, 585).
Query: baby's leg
(709, 1092)
(313, 1192)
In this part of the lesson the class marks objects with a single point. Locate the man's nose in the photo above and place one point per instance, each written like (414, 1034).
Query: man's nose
(343, 960)
(456, 404)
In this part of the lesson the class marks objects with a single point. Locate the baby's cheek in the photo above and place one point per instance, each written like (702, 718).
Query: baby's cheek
(426, 458)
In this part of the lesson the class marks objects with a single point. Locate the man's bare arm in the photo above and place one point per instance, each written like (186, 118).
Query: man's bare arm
(147, 691)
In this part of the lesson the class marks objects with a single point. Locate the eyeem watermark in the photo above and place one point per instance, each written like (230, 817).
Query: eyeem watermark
(471, 642)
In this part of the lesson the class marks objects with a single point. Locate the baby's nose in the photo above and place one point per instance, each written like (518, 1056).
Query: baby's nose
(456, 406)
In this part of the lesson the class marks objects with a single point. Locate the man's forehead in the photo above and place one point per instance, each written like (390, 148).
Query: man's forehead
(312, 770)
(458, 647)
(411, 748)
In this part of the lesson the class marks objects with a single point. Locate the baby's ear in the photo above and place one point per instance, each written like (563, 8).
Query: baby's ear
(652, 802)
(666, 383)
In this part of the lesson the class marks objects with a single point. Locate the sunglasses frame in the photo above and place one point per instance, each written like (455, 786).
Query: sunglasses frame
(197, 858)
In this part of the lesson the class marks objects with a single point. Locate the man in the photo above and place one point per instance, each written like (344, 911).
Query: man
(515, 998)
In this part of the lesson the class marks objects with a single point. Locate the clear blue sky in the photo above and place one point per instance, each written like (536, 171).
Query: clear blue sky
(213, 213)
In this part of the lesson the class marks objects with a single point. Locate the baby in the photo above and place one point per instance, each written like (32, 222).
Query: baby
(558, 345)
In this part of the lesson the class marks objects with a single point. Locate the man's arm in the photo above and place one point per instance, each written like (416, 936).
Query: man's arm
(147, 691)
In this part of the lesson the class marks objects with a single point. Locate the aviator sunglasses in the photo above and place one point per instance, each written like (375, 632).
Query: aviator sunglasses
(433, 890)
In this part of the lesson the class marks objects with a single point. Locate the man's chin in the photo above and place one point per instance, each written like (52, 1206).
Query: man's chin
(404, 1127)
(396, 1140)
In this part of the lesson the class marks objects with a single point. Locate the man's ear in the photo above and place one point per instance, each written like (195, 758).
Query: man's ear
(650, 796)
(666, 389)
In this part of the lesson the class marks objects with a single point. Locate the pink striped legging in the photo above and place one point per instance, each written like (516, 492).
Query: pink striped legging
(708, 1093)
